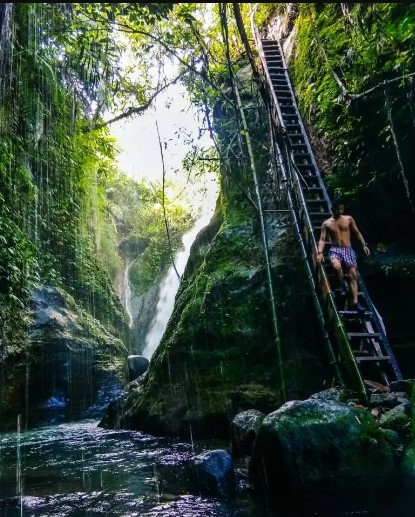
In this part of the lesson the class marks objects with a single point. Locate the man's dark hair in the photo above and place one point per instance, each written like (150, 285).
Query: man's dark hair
(337, 201)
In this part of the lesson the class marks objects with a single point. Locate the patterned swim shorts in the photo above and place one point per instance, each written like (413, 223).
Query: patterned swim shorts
(345, 254)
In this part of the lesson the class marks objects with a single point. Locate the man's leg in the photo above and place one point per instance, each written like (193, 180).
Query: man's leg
(352, 273)
(354, 293)
(338, 271)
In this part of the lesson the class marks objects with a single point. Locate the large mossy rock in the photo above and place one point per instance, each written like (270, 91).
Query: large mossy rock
(218, 356)
(317, 448)
(72, 368)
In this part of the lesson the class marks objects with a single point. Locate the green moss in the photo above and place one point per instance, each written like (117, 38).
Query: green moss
(358, 140)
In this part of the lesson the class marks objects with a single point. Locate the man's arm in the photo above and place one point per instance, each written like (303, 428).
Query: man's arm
(358, 235)
(321, 243)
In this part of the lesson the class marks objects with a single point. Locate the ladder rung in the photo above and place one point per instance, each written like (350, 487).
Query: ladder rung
(308, 165)
(372, 358)
(290, 120)
(363, 334)
(315, 214)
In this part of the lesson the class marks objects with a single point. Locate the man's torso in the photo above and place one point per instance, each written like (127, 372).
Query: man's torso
(339, 230)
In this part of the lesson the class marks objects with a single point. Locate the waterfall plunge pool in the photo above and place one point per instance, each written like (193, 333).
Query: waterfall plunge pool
(79, 469)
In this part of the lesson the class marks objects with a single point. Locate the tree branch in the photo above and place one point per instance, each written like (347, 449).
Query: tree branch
(187, 65)
(166, 224)
(382, 84)
(245, 41)
(139, 109)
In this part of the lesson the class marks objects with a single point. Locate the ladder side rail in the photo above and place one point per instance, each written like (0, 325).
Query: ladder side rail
(380, 329)
(293, 212)
(334, 320)
(276, 103)
(376, 316)
(333, 361)
(303, 130)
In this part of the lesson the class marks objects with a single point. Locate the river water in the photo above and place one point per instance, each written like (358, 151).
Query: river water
(79, 469)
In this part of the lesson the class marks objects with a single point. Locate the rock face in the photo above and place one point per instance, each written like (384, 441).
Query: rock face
(143, 309)
(75, 367)
(219, 354)
(244, 429)
(316, 447)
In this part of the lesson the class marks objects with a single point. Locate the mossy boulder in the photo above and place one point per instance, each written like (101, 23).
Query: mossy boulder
(73, 365)
(314, 448)
(219, 354)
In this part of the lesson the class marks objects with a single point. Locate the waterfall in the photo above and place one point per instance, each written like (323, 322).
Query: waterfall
(127, 290)
(168, 290)
(5, 43)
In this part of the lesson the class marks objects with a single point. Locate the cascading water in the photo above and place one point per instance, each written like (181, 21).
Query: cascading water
(169, 287)
(127, 290)
(5, 39)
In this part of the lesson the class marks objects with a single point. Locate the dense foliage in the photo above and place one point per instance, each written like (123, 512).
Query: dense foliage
(61, 70)
(136, 214)
(353, 67)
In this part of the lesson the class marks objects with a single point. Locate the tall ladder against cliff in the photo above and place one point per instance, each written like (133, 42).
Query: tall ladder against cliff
(359, 344)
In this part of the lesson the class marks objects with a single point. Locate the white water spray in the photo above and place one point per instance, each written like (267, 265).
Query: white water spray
(168, 290)
(170, 284)
(127, 291)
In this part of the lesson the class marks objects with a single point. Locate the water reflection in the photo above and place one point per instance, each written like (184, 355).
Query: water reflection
(79, 469)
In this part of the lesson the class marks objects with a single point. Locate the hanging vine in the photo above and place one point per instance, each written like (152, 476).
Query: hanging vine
(241, 116)
(396, 145)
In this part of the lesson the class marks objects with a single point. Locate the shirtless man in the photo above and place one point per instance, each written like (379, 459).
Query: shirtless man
(339, 228)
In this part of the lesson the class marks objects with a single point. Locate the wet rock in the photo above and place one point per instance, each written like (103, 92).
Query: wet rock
(314, 447)
(407, 465)
(212, 474)
(75, 364)
(397, 418)
(388, 400)
(393, 439)
(405, 385)
(56, 401)
(332, 394)
(376, 387)
(137, 365)
(244, 429)
(143, 309)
